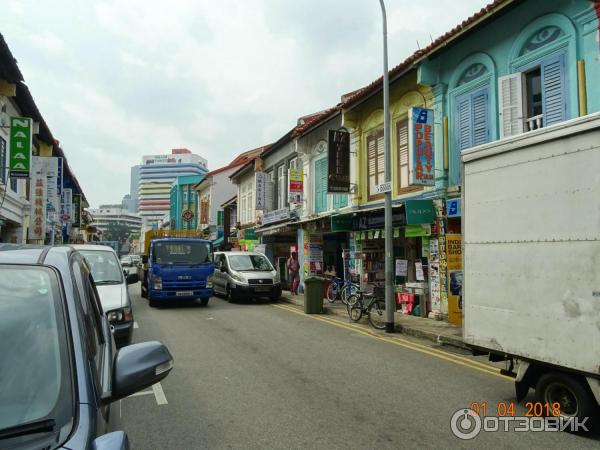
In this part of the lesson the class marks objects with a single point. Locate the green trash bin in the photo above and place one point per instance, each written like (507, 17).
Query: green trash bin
(313, 295)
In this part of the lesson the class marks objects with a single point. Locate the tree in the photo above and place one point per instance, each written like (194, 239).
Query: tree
(116, 232)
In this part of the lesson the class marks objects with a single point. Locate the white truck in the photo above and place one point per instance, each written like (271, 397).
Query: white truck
(531, 287)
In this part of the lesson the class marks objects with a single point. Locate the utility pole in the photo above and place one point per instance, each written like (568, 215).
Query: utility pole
(390, 304)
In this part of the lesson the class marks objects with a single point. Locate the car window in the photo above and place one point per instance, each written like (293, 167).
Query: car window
(35, 367)
(181, 252)
(249, 263)
(92, 331)
(104, 265)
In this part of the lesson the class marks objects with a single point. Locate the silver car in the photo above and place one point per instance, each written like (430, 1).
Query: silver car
(111, 283)
(245, 275)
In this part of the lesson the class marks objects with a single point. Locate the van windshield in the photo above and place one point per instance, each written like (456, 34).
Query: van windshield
(247, 263)
(181, 252)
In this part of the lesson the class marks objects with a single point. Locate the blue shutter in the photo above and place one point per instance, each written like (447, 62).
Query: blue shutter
(321, 185)
(554, 99)
(340, 201)
(479, 104)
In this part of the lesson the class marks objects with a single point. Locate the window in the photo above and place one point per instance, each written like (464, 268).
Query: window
(375, 163)
(472, 121)
(14, 185)
(320, 185)
(281, 187)
(246, 206)
(402, 142)
(534, 98)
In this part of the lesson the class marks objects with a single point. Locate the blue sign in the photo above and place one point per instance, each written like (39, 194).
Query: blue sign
(453, 207)
(420, 147)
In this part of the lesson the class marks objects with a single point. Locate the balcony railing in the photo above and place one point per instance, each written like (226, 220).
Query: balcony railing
(535, 122)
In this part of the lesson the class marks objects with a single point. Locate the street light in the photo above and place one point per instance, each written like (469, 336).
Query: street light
(390, 305)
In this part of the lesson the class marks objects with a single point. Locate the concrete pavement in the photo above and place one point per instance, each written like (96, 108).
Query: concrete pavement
(262, 375)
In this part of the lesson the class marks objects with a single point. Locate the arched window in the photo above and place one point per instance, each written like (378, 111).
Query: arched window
(541, 37)
(472, 73)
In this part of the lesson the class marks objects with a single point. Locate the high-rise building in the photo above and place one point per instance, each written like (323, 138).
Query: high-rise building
(156, 176)
(105, 215)
(133, 189)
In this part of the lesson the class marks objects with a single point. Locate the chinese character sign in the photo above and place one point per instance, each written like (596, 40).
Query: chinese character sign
(421, 149)
(296, 185)
(66, 205)
(261, 190)
(37, 227)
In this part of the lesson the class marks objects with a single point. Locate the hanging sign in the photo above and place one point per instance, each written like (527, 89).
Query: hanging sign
(66, 205)
(77, 210)
(261, 190)
(20, 147)
(419, 212)
(37, 229)
(295, 185)
(338, 159)
(455, 275)
(187, 215)
(420, 142)
(453, 207)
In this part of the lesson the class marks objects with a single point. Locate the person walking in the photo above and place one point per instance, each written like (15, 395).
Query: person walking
(294, 273)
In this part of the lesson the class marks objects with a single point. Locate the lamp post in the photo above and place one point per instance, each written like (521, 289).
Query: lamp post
(390, 305)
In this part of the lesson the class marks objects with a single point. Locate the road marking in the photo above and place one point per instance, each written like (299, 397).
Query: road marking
(139, 394)
(135, 324)
(476, 365)
(159, 394)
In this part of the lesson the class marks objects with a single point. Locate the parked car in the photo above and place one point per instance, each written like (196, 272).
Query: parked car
(111, 283)
(245, 275)
(60, 371)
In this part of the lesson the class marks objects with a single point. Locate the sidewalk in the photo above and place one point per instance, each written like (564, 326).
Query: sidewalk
(437, 331)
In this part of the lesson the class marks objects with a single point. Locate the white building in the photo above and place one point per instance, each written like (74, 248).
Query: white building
(155, 178)
(105, 215)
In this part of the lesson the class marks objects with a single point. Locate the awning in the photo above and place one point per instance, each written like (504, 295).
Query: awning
(274, 229)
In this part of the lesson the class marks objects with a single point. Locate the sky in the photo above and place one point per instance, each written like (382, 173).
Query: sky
(118, 79)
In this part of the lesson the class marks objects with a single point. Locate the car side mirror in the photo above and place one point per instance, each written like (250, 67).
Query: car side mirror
(132, 278)
(139, 366)
(116, 440)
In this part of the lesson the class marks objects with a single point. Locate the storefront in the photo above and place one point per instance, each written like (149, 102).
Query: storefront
(412, 231)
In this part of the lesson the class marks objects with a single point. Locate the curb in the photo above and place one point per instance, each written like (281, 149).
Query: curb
(410, 331)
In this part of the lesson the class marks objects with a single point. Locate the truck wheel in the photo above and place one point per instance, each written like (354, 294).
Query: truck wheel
(570, 392)
(152, 302)
(204, 302)
(144, 288)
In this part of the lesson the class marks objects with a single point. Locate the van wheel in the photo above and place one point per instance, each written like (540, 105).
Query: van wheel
(229, 295)
(203, 302)
(144, 290)
(570, 392)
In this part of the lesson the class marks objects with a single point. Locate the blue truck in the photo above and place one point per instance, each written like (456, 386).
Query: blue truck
(176, 266)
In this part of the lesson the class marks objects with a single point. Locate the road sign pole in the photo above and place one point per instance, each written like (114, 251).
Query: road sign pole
(390, 304)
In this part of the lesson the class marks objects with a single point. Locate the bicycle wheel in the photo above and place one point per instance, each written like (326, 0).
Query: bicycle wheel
(355, 312)
(331, 292)
(376, 313)
(348, 290)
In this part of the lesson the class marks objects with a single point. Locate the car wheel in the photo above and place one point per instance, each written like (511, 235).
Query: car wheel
(229, 295)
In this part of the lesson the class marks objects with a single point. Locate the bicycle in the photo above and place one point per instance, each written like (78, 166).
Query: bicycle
(374, 307)
(340, 290)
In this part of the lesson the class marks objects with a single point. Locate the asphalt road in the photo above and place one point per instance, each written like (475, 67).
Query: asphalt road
(266, 376)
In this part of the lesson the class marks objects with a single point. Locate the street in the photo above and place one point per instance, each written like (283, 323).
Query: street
(260, 375)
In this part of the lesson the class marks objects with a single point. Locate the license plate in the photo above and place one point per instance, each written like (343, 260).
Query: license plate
(184, 293)
(262, 289)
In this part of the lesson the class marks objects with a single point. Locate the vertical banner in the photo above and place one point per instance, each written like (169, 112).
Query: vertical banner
(295, 186)
(19, 164)
(59, 179)
(77, 210)
(338, 158)
(260, 182)
(37, 228)
(455, 275)
(50, 165)
(421, 162)
(66, 205)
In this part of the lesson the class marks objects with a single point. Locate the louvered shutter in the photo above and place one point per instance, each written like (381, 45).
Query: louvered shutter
(510, 91)
(464, 131)
(479, 104)
(372, 163)
(403, 153)
(321, 185)
(554, 102)
(380, 159)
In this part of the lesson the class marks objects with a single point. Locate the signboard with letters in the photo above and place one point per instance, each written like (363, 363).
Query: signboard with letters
(338, 159)
(261, 181)
(275, 216)
(37, 229)
(77, 210)
(421, 150)
(19, 163)
(453, 207)
(295, 186)
(419, 211)
(66, 205)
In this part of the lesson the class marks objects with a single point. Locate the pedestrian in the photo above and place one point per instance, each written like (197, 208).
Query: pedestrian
(293, 272)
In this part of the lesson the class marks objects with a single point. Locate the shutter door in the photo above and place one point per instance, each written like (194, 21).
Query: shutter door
(553, 90)
(479, 102)
(510, 91)
(463, 114)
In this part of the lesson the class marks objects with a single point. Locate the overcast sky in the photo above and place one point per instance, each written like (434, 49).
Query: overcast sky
(118, 79)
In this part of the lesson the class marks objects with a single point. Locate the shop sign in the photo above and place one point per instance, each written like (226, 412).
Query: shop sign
(383, 187)
(261, 180)
(401, 267)
(453, 207)
(455, 275)
(417, 230)
(77, 210)
(37, 229)
(419, 211)
(295, 186)
(275, 216)
(66, 205)
(341, 222)
(420, 143)
(59, 178)
(20, 147)
(338, 159)
(376, 219)
(187, 215)
(247, 234)
(260, 248)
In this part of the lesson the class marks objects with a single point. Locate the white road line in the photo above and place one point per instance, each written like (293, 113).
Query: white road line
(135, 324)
(138, 394)
(161, 399)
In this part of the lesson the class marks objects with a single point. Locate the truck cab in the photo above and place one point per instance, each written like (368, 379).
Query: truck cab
(177, 268)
